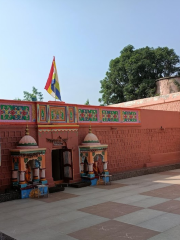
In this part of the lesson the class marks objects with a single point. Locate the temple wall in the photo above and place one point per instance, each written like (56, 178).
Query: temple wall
(134, 136)
(130, 148)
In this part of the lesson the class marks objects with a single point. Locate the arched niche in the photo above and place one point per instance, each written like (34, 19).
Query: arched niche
(98, 157)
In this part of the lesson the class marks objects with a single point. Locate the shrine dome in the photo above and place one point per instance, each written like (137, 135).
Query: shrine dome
(91, 139)
(27, 141)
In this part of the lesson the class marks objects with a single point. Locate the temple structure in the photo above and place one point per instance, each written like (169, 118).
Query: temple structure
(28, 164)
(91, 152)
(58, 146)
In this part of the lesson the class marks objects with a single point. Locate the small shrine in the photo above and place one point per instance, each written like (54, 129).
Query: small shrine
(28, 165)
(91, 153)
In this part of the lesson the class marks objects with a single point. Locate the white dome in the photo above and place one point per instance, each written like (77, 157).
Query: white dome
(91, 139)
(27, 141)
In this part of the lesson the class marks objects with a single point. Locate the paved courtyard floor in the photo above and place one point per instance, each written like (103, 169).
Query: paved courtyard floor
(139, 208)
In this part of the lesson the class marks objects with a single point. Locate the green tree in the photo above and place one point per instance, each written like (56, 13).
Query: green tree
(133, 74)
(34, 95)
(17, 99)
(87, 102)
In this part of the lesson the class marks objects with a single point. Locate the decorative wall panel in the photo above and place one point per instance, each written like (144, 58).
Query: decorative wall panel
(34, 116)
(71, 114)
(129, 116)
(43, 114)
(87, 115)
(18, 112)
(110, 116)
(57, 114)
(75, 114)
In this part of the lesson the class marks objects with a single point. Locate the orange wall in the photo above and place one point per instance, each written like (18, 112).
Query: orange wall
(156, 119)
(129, 147)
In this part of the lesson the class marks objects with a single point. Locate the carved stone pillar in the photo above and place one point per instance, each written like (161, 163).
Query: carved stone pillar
(82, 169)
(105, 170)
(42, 172)
(14, 176)
(22, 177)
(91, 172)
(35, 174)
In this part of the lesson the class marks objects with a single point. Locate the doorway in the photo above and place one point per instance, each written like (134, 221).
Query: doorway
(62, 167)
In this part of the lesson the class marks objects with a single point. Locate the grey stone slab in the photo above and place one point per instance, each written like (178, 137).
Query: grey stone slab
(140, 216)
(10, 222)
(43, 214)
(78, 224)
(171, 234)
(153, 187)
(32, 209)
(131, 199)
(177, 199)
(149, 202)
(5, 216)
(24, 205)
(84, 204)
(112, 197)
(162, 222)
(84, 191)
(48, 221)
(61, 218)
(40, 234)
(23, 228)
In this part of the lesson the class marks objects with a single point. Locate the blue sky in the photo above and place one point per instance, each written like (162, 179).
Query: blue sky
(83, 35)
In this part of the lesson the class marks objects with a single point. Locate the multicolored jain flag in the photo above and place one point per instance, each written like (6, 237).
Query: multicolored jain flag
(52, 84)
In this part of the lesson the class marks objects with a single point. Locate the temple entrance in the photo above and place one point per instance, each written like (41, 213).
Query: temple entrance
(62, 167)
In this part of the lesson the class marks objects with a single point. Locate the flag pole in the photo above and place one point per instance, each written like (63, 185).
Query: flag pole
(54, 84)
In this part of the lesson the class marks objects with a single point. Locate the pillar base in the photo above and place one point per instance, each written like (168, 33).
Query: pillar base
(92, 181)
(44, 182)
(15, 183)
(83, 174)
(91, 175)
(22, 185)
(35, 180)
(106, 172)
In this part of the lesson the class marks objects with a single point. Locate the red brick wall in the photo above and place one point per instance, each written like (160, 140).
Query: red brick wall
(130, 148)
(168, 106)
(9, 137)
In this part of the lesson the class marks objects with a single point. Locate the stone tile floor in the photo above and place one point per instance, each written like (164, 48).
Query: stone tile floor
(140, 208)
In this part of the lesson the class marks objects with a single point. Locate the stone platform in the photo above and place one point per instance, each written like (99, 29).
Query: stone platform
(138, 208)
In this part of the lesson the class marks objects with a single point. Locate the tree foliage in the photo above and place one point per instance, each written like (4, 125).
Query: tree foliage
(17, 99)
(133, 74)
(87, 102)
(35, 94)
